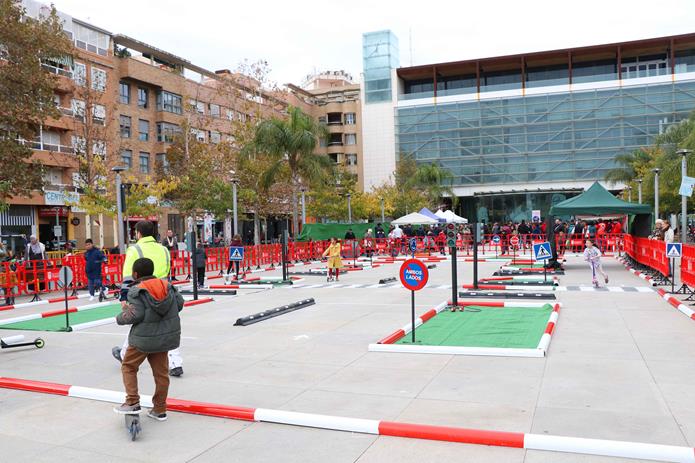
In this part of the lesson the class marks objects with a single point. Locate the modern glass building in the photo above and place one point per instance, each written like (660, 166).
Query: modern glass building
(522, 132)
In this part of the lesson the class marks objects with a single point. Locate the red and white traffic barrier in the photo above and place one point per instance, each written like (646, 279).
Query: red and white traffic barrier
(676, 303)
(53, 313)
(110, 320)
(612, 448)
(643, 276)
(387, 344)
(48, 301)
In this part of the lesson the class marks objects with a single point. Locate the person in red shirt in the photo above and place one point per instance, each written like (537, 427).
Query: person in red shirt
(543, 227)
(617, 228)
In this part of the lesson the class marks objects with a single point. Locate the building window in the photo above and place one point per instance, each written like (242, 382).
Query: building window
(90, 39)
(350, 139)
(125, 126)
(99, 148)
(350, 119)
(79, 73)
(99, 114)
(142, 97)
(166, 132)
(169, 102)
(78, 144)
(127, 158)
(230, 114)
(124, 92)
(351, 159)
(144, 162)
(162, 162)
(197, 106)
(78, 109)
(98, 79)
(214, 110)
(215, 137)
(323, 142)
(322, 120)
(198, 134)
(335, 139)
(143, 130)
(335, 118)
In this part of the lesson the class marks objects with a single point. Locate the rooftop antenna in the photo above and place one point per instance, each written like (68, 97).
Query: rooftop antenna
(410, 44)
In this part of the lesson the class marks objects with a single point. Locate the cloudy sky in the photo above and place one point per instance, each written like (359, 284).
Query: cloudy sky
(297, 38)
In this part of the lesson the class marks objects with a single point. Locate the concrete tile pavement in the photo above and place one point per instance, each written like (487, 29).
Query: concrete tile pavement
(619, 367)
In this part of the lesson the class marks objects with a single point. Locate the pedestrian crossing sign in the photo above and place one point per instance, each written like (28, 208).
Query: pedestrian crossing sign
(236, 253)
(541, 251)
(674, 250)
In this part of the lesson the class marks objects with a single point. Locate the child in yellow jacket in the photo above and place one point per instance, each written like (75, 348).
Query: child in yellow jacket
(334, 261)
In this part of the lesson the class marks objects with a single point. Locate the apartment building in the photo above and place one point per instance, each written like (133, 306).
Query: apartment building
(332, 98)
(90, 70)
(127, 99)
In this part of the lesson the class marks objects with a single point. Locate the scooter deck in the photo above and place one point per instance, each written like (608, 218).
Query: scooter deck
(132, 424)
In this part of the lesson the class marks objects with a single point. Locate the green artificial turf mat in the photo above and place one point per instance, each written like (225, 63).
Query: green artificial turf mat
(479, 326)
(57, 322)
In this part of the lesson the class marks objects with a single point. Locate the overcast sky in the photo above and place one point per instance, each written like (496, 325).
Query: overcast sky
(298, 37)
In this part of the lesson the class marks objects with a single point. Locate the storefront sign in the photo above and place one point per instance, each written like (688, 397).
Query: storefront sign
(51, 211)
(61, 198)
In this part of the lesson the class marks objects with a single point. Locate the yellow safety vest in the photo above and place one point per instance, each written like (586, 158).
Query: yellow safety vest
(150, 248)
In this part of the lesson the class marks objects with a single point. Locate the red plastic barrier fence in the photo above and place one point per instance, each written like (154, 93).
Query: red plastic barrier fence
(688, 265)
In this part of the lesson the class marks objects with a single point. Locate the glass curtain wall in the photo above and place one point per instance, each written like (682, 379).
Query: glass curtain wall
(379, 57)
(553, 137)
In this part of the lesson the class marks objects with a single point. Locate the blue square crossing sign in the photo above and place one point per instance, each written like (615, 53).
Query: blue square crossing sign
(236, 253)
(542, 251)
(674, 250)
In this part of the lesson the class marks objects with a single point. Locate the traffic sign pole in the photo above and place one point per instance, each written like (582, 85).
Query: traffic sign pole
(475, 256)
(64, 270)
(412, 313)
(454, 277)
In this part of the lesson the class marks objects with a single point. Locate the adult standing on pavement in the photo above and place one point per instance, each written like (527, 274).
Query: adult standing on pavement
(236, 242)
(35, 249)
(93, 258)
(170, 241)
(147, 246)
(667, 232)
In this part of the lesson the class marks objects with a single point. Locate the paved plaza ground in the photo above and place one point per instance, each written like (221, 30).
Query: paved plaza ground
(619, 367)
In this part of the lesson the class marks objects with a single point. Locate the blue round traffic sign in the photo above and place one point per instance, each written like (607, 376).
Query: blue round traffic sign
(413, 244)
(414, 274)
(496, 239)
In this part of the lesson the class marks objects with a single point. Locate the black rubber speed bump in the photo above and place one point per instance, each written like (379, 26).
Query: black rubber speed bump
(432, 266)
(520, 283)
(383, 281)
(266, 314)
(526, 272)
(209, 292)
(507, 295)
(315, 273)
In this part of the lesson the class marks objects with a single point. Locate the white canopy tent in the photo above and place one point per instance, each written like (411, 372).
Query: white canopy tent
(414, 218)
(450, 217)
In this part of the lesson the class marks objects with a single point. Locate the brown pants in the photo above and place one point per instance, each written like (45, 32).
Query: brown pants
(160, 370)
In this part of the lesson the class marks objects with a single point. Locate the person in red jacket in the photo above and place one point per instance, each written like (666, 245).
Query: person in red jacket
(617, 228)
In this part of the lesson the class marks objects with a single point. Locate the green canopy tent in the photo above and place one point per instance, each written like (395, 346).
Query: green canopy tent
(596, 201)
(326, 231)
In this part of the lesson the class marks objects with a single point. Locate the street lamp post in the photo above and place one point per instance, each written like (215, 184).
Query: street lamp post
(639, 190)
(381, 199)
(303, 190)
(629, 194)
(656, 192)
(119, 208)
(349, 208)
(235, 216)
(684, 199)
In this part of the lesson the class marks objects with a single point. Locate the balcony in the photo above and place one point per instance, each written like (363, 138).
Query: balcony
(56, 70)
(334, 119)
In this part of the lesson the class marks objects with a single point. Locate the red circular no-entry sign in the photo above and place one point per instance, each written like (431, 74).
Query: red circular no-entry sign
(514, 240)
(414, 274)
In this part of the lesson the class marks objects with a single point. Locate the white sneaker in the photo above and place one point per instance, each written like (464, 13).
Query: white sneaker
(91, 298)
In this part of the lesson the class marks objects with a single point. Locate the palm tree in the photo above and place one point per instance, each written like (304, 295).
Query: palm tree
(629, 166)
(436, 182)
(289, 144)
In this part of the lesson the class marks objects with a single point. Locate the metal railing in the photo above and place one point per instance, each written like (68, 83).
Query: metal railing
(56, 70)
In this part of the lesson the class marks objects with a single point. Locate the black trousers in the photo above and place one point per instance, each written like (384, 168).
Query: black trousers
(201, 275)
(236, 266)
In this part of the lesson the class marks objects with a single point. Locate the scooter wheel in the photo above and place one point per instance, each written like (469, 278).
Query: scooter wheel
(39, 343)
